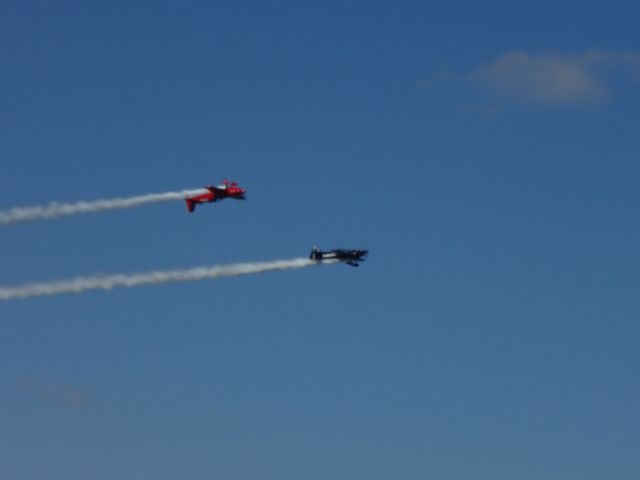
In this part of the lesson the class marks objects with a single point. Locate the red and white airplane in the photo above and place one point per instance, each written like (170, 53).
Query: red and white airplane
(210, 194)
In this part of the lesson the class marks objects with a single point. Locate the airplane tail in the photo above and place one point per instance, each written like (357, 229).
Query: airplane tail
(191, 205)
(315, 254)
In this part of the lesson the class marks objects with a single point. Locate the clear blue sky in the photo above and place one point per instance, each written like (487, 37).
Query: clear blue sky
(485, 152)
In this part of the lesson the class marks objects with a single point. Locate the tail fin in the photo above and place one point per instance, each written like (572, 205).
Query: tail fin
(191, 205)
(315, 254)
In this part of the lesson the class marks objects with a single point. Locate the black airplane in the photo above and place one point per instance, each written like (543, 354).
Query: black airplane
(350, 257)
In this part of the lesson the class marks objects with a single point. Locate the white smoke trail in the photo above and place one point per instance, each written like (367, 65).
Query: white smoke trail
(83, 284)
(54, 209)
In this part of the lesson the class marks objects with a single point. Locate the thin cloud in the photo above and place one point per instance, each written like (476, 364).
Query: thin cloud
(435, 78)
(69, 396)
(554, 79)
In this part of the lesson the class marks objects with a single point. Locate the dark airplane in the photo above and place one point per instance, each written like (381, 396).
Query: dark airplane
(350, 257)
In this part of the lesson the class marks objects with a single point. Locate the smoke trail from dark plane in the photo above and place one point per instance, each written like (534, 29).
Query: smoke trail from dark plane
(54, 209)
(83, 284)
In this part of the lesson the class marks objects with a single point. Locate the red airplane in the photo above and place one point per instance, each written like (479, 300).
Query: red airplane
(210, 194)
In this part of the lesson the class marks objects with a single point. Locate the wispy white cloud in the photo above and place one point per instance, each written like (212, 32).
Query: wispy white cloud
(434, 78)
(69, 396)
(555, 79)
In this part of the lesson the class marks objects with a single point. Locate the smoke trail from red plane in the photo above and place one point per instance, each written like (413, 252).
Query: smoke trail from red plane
(83, 284)
(54, 209)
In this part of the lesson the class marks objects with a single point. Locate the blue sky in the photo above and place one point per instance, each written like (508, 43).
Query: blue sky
(486, 154)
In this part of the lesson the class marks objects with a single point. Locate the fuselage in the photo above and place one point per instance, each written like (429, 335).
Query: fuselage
(350, 257)
(212, 193)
